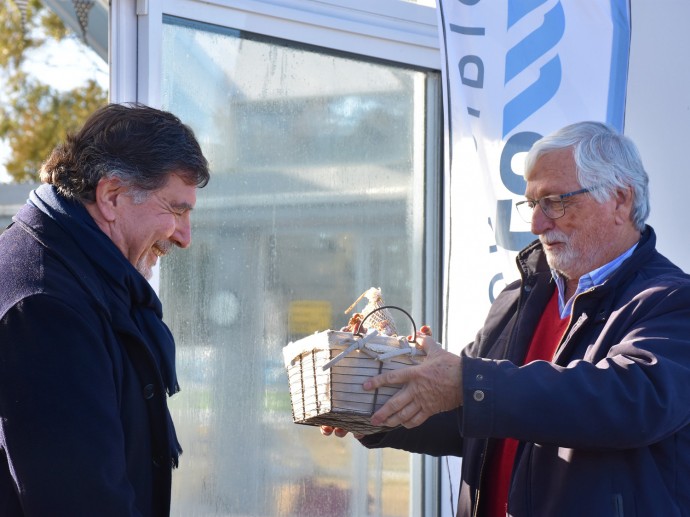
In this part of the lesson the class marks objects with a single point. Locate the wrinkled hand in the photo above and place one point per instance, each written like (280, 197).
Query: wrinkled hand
(429, 388)
(328, 430)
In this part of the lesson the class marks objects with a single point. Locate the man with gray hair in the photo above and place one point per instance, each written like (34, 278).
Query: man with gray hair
(574, 398)
(86, 362)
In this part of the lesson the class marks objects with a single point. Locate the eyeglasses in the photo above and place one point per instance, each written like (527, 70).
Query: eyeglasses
(552, 206)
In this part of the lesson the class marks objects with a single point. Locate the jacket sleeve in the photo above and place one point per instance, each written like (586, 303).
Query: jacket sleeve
(59, 412)
(625, 386)
(438, 436)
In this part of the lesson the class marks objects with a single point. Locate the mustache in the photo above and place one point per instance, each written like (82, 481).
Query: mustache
(553, 236)
(164, 246)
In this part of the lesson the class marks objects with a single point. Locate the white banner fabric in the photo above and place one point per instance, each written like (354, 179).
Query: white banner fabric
(514, 70)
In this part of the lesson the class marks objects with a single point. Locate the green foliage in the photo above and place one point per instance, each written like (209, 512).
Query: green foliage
(34, 117)
(14, 39)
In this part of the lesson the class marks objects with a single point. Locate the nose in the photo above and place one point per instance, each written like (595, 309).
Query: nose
(182, 236)
(540, 223)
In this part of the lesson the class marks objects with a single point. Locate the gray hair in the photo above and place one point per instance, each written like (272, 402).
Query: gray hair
(605, 161)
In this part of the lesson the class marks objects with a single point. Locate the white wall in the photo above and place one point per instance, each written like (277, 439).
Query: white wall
(658, 116)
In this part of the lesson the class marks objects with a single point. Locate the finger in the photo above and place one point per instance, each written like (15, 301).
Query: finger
(326, 430)
(409, 416)
(340, 433)
(390, 378)
(384, 417)
(427, 343)
(387, 414)
(425, 330)
(418, 419)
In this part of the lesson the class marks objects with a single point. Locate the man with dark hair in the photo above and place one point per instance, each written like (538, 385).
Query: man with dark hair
(574, 398)
(86, 362)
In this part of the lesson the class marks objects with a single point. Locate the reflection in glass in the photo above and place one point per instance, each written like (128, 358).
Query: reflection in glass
(314, 156)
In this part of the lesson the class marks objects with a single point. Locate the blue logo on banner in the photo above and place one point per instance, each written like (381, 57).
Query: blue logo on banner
(525, 53)
(534, 68)
(521, 56)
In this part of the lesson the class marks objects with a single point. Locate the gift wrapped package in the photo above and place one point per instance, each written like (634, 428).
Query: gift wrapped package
(326, 371)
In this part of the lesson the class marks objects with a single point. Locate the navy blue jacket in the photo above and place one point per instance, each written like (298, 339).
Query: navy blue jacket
(83, 414)
(604, 429)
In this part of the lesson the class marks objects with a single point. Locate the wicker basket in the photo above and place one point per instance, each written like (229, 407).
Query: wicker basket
(326, 371)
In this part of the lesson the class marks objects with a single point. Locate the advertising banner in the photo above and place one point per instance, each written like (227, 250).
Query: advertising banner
(514, 70)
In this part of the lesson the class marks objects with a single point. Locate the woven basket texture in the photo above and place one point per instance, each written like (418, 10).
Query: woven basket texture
(334, 395)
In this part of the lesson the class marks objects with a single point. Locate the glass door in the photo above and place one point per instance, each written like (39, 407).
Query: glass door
(323, 165)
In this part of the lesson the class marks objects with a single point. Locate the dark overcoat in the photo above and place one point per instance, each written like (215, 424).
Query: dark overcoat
(83, 411)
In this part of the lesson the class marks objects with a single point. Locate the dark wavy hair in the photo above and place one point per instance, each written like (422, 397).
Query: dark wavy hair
(139, 145)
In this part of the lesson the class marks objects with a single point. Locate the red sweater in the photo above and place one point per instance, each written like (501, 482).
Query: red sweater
(546, 338)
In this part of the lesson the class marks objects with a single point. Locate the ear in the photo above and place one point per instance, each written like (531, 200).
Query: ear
(108, 192)
(623, 207)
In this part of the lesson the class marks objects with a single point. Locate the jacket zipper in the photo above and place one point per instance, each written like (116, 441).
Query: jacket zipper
(477, 492)
(525, 288)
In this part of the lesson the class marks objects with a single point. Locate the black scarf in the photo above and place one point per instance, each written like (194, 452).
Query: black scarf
(131, 302)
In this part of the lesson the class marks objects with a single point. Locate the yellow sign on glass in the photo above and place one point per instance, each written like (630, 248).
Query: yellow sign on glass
(309, 316)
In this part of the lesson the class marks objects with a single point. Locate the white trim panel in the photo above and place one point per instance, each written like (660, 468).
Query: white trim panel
(386, 29)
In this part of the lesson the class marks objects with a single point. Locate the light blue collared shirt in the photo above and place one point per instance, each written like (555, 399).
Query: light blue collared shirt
(591, 279)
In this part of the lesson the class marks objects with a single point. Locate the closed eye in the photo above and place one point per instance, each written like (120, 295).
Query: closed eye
(180, 210)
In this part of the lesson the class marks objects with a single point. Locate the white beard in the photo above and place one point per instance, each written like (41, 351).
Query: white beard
(579, 254)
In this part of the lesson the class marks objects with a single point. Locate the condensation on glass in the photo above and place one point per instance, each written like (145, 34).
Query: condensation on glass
(317, 160)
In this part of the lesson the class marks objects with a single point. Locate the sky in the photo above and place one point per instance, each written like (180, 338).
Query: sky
(64, 65)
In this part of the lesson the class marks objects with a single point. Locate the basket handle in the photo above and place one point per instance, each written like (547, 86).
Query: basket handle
(414, 326)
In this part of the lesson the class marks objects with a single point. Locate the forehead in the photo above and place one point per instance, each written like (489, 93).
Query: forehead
(553, 173)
